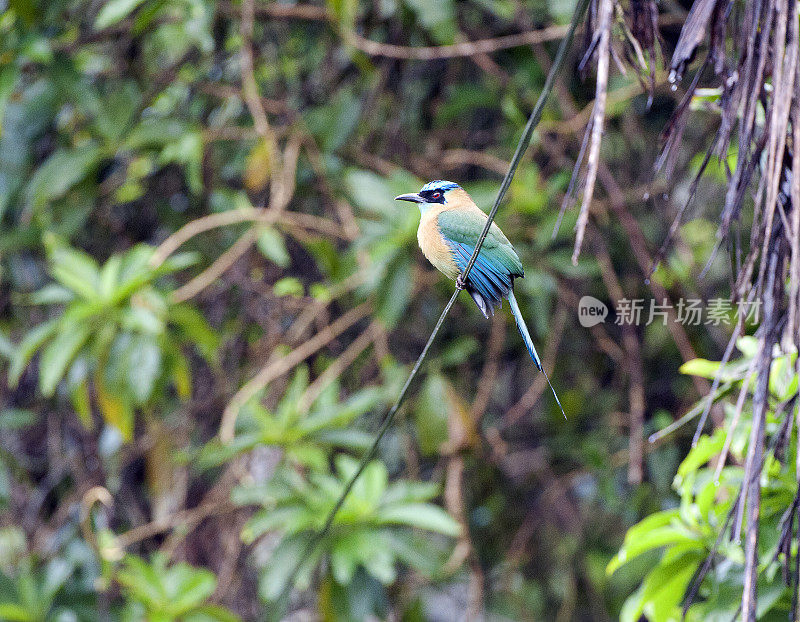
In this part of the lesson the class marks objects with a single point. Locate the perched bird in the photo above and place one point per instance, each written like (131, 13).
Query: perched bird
(448, 232)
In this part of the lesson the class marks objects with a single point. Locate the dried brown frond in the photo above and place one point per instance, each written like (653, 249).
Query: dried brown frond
(749, 54)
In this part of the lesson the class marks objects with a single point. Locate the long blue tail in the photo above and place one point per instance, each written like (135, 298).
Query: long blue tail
(526, 337)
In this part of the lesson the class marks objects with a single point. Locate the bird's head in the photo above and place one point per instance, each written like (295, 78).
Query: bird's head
(433, 193)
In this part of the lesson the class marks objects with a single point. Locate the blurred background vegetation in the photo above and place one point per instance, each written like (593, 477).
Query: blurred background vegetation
(208, 297)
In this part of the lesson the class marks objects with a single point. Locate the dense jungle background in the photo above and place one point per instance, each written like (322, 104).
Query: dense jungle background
(209, 299)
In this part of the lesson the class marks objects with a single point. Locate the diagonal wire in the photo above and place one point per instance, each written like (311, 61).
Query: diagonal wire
(522, 146)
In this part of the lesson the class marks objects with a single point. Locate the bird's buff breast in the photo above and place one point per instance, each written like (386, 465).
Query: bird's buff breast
(433, 245)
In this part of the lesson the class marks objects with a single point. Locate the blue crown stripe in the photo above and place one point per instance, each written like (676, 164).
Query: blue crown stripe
(439, 184)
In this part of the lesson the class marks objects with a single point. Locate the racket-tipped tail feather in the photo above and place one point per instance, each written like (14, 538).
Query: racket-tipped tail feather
(526, 337)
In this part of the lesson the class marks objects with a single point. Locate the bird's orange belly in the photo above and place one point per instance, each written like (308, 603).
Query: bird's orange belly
(435, 248)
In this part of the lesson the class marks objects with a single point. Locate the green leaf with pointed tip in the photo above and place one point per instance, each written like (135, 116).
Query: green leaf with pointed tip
(76, 270)
(196, 328)
(700, 367)
(143, 366)
(706, 448)
(109, 276)
(270, 243)
(189, 588)
(421, 515)
(60, 172)
(51, 294)
(662, 590)
(59, 353)
(649, 540)
(114, 11)
(32, 341)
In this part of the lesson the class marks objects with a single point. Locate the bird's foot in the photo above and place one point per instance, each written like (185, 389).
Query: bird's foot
(460, 283)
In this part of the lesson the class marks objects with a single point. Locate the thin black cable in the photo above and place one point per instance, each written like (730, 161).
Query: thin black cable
(522, 146)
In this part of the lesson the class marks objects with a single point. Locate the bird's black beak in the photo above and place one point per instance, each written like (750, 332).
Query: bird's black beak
(412, 196)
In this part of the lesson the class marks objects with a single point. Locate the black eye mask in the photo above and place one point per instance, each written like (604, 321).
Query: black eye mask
(432, 196)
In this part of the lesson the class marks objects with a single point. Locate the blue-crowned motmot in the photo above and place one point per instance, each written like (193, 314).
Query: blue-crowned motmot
(448, 232)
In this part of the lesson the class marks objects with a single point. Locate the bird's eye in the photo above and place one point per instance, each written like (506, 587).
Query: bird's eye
(437, 194)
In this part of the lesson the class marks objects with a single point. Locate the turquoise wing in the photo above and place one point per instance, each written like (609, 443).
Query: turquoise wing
(497, 264)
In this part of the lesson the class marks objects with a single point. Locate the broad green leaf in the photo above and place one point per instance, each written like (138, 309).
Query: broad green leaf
(143, 580)
(57, 572)
(32, 341)
(344, 561)
(275, 576)
(649, 540)
(117, 112)
(700, 367)
(196, 328)
(76, 270)
(176, 262)
(51, 294)
(341, 414)
(747, 345)
(418, 550)
(114, 11)
(109, 276)
(355, 440)
(142, 319)
(59, 354)
(272, 246)
(706, 448)
(283, 518)
(60, 172)
(143, 366)
(187, 150)
(405, 491)
(458, 351)
(662, 590)
(422, 516)
(372, 483)
(288, 286)
(372, 193)
(311, 455)
(380, 563)
(438, 16)
(196, 586)
(154, 132)
(648, 524)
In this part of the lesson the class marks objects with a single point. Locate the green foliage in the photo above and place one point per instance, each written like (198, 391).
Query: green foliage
(388, 235)
(368, 531)
(169, 593)
(700, 525)
(33, 595)
(115, 328)
(306, 436)
(35, 591)
(124, 121)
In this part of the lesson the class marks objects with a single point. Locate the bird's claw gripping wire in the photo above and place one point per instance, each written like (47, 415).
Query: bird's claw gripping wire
(460, 283)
